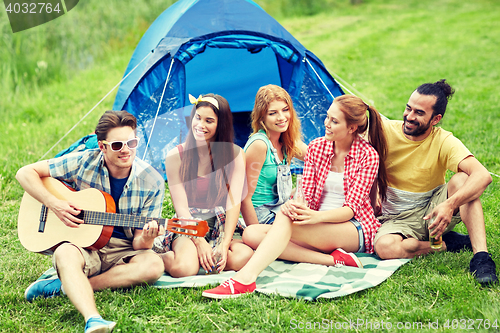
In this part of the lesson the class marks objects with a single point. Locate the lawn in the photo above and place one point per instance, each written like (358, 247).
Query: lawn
(51, 76)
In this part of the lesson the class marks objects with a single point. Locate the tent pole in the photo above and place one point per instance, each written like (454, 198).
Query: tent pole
(102, 99)
(340, 83)
(319, 77)
(343, 87)
(338, 78)
(158, 109)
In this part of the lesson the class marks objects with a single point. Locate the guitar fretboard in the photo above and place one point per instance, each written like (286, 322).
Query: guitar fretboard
(118, 220)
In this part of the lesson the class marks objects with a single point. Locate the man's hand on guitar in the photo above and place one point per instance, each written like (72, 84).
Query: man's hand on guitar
(151, 230)
(67, 212)
(143, 239)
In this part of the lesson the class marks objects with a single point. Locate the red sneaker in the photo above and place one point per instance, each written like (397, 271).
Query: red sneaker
(229, 289)
(342, 258)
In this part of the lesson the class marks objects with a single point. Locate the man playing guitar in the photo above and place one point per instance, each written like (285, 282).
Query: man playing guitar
(137, 189)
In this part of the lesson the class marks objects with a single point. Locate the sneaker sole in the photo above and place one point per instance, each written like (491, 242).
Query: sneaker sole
(486, 281)
(31, 285)
(102, 329)
(218, 296)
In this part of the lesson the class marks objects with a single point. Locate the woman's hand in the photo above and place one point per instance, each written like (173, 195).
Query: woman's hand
(220, 253)
(288, 209)
(303, 214)
(205, 254)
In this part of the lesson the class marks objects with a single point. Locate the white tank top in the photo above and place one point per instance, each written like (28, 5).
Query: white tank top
(333, 193)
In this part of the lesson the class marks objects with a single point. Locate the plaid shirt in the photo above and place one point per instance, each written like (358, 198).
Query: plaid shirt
(142, 194)
(361, 167)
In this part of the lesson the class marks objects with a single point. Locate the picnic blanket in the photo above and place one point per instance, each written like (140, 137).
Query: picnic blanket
(299, 280)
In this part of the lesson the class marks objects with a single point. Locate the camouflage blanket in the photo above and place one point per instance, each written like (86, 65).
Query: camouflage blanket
(306, 281)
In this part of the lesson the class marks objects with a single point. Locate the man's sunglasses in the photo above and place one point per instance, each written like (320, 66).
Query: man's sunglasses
(118, 145)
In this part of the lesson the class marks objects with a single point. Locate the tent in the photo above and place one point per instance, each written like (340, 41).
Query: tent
(226, 47)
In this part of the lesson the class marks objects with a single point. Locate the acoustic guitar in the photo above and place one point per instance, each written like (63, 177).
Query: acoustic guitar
(40, 230)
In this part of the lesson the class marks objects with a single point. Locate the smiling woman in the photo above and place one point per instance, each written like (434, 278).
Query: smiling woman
(204, 124)
(206, 180)
(275, 141)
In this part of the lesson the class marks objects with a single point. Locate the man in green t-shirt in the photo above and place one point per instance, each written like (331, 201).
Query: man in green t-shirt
(420, 204)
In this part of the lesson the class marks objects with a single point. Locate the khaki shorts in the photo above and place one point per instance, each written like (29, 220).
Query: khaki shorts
(411, 223)
(116, 252)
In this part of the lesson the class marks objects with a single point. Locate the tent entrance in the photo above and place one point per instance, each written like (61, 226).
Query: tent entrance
(236, 74)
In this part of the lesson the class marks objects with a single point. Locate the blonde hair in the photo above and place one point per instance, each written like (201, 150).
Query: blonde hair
(264, 97)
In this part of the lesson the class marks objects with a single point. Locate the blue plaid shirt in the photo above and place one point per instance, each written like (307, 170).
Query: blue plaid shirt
(142, 194)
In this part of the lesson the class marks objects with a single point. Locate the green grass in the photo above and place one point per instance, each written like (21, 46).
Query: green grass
(385, 49)
(57, 50)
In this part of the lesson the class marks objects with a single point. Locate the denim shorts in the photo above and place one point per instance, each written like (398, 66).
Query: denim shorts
(267, 213)
(361, 235)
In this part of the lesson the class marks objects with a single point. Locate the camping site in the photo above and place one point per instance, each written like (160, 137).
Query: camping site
(58, 78)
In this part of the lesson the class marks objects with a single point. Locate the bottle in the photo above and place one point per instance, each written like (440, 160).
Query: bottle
(299, 191)
(217, 252)
(436, 243)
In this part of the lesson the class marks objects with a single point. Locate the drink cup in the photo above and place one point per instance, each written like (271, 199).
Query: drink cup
(436, 242)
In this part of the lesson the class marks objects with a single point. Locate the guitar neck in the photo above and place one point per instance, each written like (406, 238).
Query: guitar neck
(119, 220)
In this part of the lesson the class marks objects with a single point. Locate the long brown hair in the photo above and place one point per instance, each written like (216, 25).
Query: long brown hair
(354, 110)
(264, 97)
(221, 150)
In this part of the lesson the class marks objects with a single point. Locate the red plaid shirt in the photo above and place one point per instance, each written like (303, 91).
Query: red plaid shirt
(360, 169)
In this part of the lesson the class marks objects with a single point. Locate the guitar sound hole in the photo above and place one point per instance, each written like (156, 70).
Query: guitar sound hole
(81, 215)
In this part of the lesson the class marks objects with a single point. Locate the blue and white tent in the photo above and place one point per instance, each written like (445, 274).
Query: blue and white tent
(226, 47)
